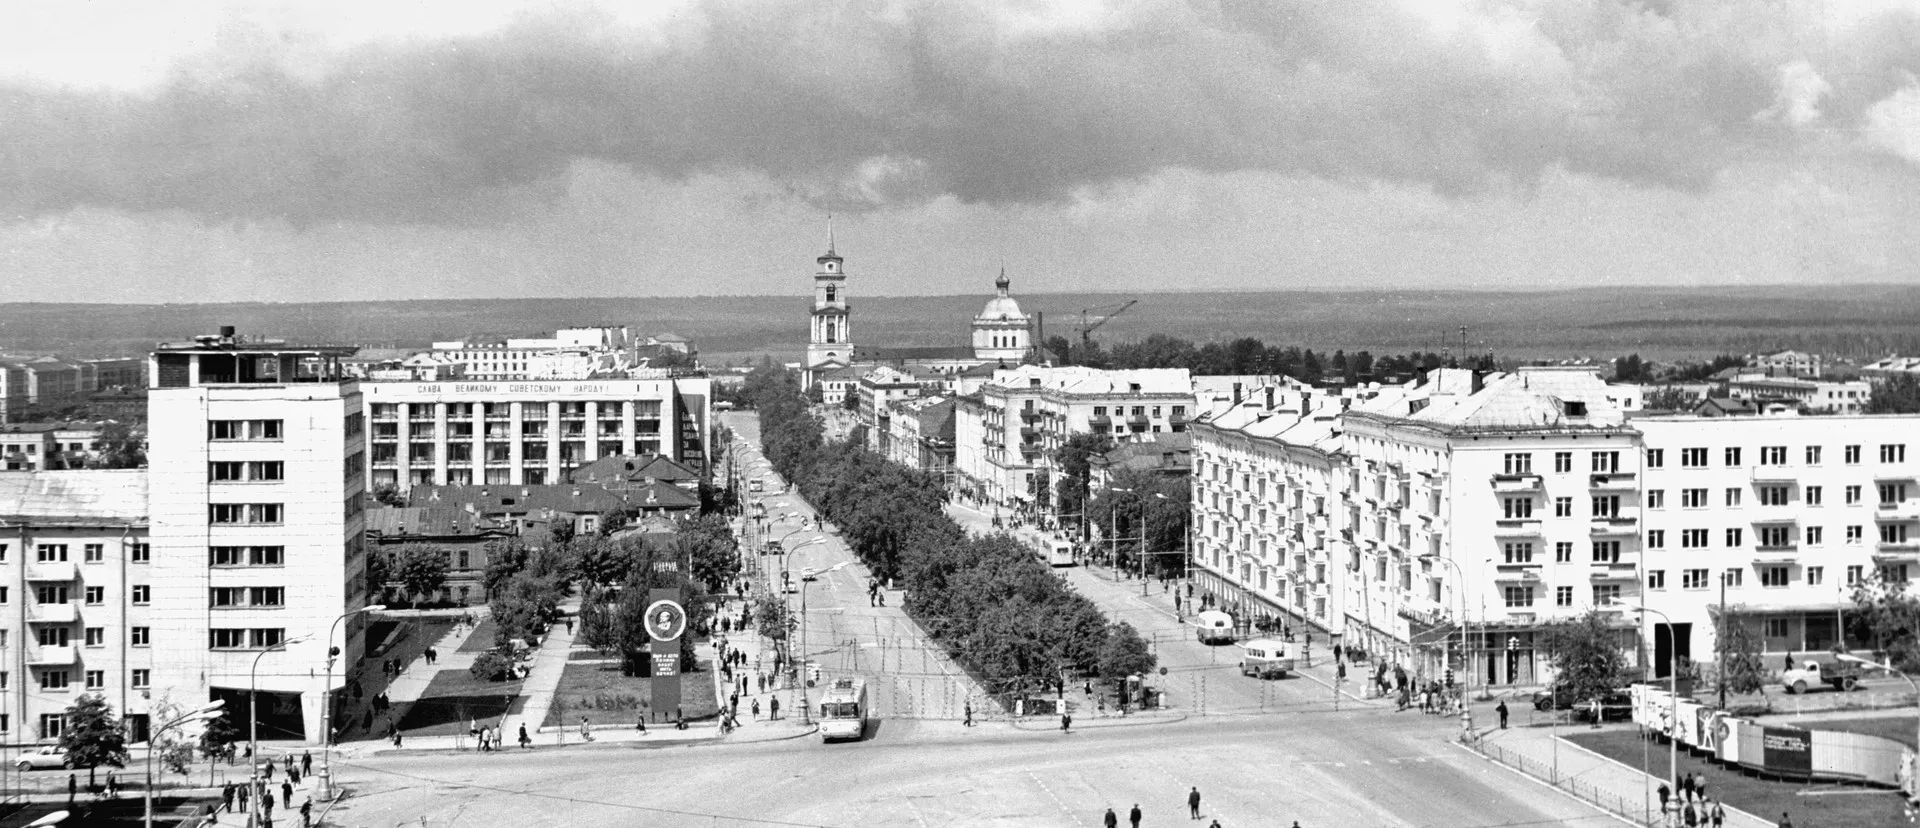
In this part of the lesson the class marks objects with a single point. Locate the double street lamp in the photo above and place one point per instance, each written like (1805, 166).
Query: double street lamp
(786, 554)
(800, 670)
(1673, 696)
(254, 782)
(204, 713)
(327, 790)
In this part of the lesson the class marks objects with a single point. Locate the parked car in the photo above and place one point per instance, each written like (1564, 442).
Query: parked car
(1615, 705)
(48, 757)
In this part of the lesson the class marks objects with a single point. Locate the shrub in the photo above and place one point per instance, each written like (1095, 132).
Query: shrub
(491, 666)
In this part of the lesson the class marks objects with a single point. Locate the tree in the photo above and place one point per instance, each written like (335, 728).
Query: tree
(1124, 653)
(389, 495)
(1586, 654)
(505, 559)
(92, 736)
(1075, 458)
(527, 603)
(771, 617)
(491, 666)
(1898, 394)
(379, 571)
(218, 738)
(708, 544)
(1669, 398)
(615, 518)
(1738, 643)
(421, 569)
(1889, 613)
(601, 562)
(120, 446)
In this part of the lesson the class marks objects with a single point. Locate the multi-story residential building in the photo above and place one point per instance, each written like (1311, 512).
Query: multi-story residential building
(47, 446)
(1026, 413)
(1787, 364)
(1818, 397)
(919, 434)
(515, 433)
(257, 480)
(1786, 513)
(78, 591)
(571, 353)
(1168, 453)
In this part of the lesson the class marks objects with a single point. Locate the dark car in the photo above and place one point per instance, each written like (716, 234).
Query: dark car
(1615, 705)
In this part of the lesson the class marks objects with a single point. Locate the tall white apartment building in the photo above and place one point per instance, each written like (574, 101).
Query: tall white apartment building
(76, 597)
(1024, 414)
(528, 433)
(1787, 513)
(571, 353)
(257, 469)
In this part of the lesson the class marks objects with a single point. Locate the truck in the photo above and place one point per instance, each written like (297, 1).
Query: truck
(1214, 627)
(1838, 675)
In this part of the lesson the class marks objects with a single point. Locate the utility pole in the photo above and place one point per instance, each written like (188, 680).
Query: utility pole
(1720, 646)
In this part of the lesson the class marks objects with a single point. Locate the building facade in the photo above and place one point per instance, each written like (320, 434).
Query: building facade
(514, 433)
(257, 472)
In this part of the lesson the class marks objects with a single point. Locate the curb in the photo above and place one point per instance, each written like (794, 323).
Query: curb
(1541, 782)
(1125, 721)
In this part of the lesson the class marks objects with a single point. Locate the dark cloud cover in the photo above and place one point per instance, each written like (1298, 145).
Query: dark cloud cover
(859, 103)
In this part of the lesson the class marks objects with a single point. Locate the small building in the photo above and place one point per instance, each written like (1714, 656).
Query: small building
(464, 535)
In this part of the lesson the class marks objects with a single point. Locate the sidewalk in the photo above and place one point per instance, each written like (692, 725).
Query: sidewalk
(1538, 752)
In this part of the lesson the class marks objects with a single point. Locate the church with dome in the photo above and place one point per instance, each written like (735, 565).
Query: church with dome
(1002, 338)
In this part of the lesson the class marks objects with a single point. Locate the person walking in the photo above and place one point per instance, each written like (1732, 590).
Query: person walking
(1689, 816)
(969, 714)
(1665, 793)
(773, 709)
(1193, 803)
(306, 814)
(1686, 788)
(1716, 815)
(226, 796)
(1700, 785)
(526, 742)
(286, 794)
(1502, 710)
(755, 707)
(306, 763)
(586, 734)
(1133, 816)
(73, 787)
(1066, 721)
(1110, 820)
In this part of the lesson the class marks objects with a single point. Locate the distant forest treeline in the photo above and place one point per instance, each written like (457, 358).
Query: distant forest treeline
(1658, 323)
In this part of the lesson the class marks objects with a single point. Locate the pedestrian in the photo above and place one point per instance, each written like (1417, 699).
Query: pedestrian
(969, 713)
(269, 769)
(569, 625)
(1689, 816)
(293, 773)
(1686, 787)
(1066, 721)
(526, 743)
(1700, 785)
(306, 814)
(1665, 793)
(1110, 820)
(1133, 816)
(586, 735)
(1717, 815)
(1193, 803)
(396, 740)
(773, 709)
(306, 763)
(640, 723)
(226, 796)
(756, 709)
(1786, 821)
(1502, 710)
(286, 794)
(266, 802)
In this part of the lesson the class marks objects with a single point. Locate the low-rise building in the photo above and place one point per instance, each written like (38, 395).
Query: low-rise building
(1787, 364)
(464, 536)
(1819, 397)
(1894, 366)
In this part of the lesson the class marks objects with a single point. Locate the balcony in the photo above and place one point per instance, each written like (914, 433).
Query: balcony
(1517, 528)
(1101, 422)
(66, 613)
(1137, 422)
(1900, 552)
(1773, 474)
(1776, 515)
(1517, 483)
(51, 571)
(1613, 572)
(48, 656)
(1904, 510)
(1612, 482)
(1779, 553)
(1603, 527)
(1897, 474)
(1028, 415)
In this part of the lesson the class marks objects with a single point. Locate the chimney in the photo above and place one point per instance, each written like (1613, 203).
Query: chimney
(1236, 393)
(1269, 390)
(227, 335)
(1479, 381)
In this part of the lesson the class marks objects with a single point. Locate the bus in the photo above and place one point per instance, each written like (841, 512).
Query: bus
(843, 710)
(1053, 552)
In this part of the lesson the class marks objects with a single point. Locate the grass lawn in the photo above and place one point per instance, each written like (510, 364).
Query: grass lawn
(1897, 728)
(605, 696)
(1811, 804)
(455, 698)
(591, 655)
(481, 639)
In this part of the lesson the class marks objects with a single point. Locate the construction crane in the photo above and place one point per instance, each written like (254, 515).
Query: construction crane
(1087, 328)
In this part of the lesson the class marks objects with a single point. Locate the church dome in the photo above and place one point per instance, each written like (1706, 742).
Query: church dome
(1002, 306)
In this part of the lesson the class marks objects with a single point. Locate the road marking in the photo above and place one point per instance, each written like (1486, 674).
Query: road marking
(1056, 799)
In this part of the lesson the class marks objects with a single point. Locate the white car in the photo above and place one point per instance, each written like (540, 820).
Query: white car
(809, 574)
(48, 757)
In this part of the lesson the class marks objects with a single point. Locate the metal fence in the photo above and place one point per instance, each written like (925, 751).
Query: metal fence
(1632, 809)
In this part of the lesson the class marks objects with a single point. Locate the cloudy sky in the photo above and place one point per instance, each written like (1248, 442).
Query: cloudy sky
(156, 150)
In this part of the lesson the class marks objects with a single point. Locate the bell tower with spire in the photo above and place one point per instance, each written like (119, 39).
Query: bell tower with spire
(831, 344)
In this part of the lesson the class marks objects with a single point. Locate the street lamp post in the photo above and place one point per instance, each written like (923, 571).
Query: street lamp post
(253, 729)
(1889, 668)
(786, 554)
(1143, 542)
(205, 712)
(806, 713)
(1466, 659)
(326, 704)
(1673, 696)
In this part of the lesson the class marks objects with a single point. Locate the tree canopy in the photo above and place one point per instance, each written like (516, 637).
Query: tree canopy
(92, 736)
(421, 569)
(1586, 655)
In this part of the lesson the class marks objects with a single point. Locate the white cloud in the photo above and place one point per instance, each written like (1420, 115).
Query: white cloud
(1798, 101)
(1893, 124)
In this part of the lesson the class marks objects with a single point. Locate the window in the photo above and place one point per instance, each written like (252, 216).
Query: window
(1519, 552)
(1893, 573)
(261, 638)
(1855, 534)
(1563, 461)
(1519, 596)
(1656, 498)
(3, 553)
(227, 596)
(50, 552)
(1606, 506)
(142, 594)
(141, 678)
(142, 553)
(256, 514)
(1693, 539)
(1607, 552)
(3, 594)
(1852, 455)
(1606, 462)
(1815, 575)
(1693, 579)
(53, 636)
(1656, 458)
(1775, 628)
(50, 595)
(140, 636)
(1855, 574)
(1893, 533)
(1563, 552)
(1813, 455)
(1733, 537)
(1893, 452)
(1815, 494)
(1693, 498)
(53, 679)
(1773, 455)
(1563, 507)
(96, 636)
(1814, 535)
(1776, 537)
(93, 552)
(227, 638)
(1853, 495)
(1657, 579)
(1656, 538)
(1517, 508)
(1515, 462)
(95, 596)
(252, 471)
(96, 679)
(52, 724)
(1773, 577)
(1773, 495)
(266, 596)
(1733, 496)
(1604, 594)
(1732, 578)
(243, 429)
(1563, 596)
(1891, 493)
(1733, 456)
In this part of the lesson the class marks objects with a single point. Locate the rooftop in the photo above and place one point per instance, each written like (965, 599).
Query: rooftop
(93, 497)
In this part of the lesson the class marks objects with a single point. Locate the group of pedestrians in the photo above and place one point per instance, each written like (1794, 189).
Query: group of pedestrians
(238, 798)
(1692, 808)
(1134, 815)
